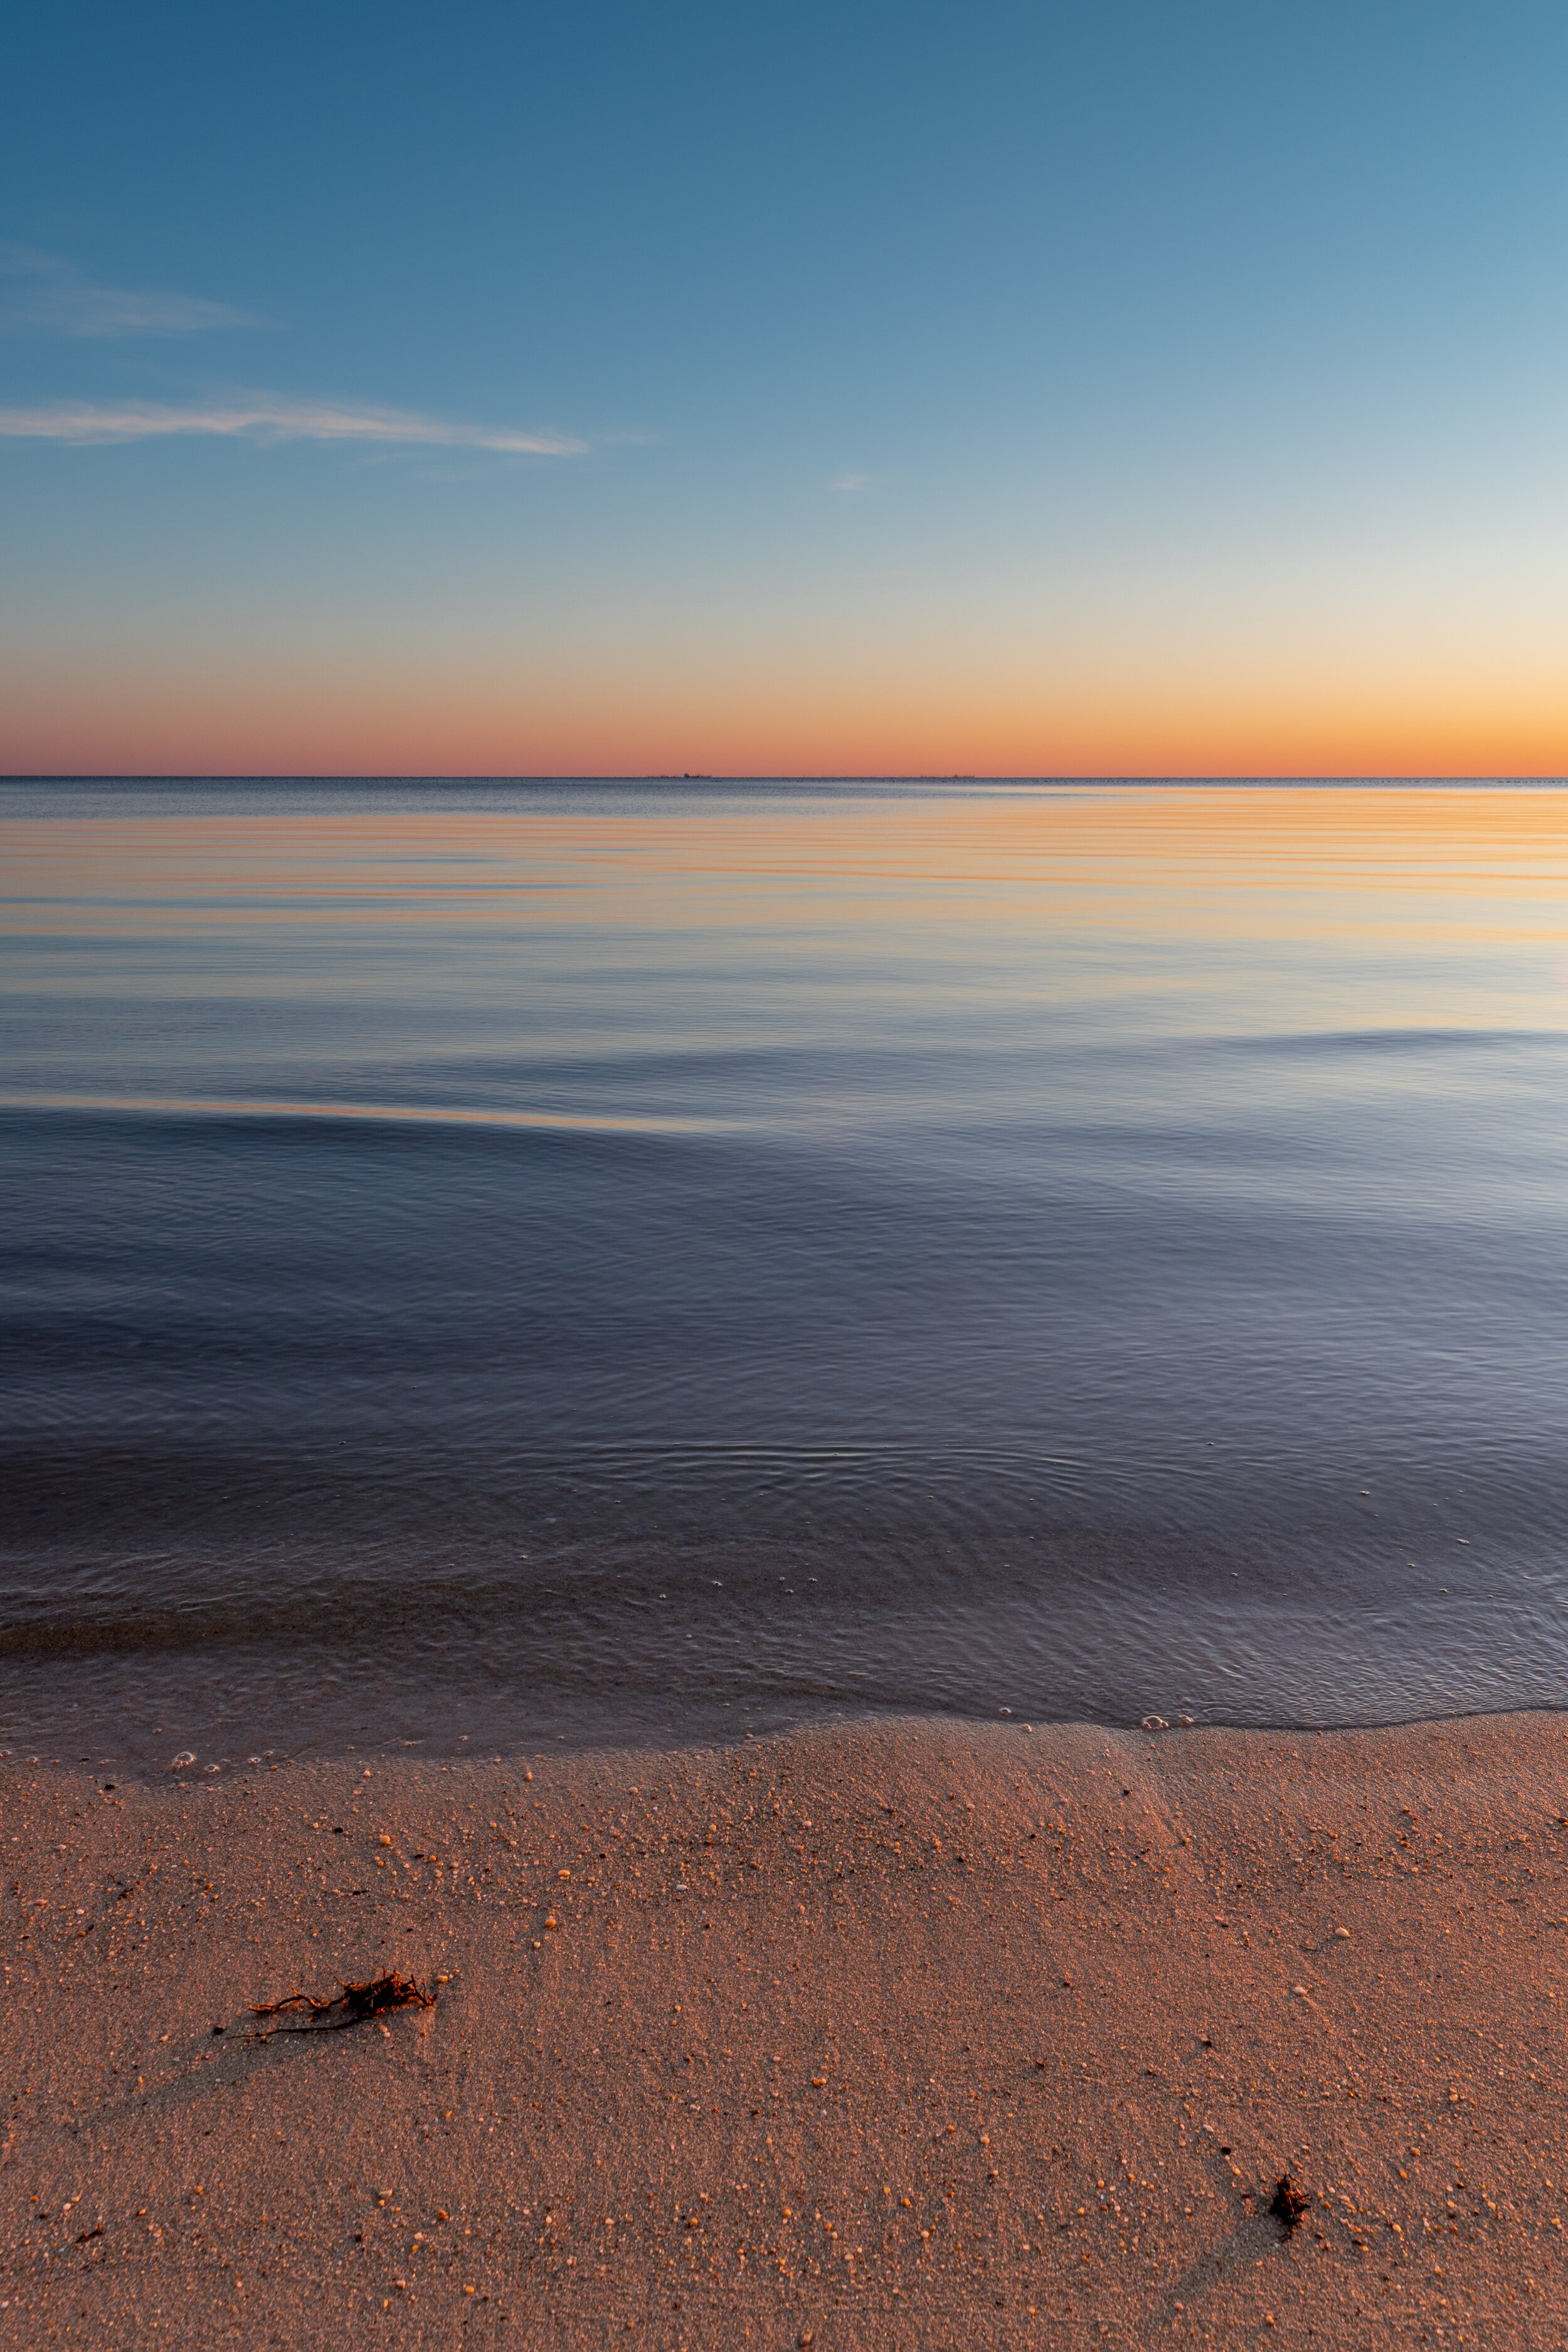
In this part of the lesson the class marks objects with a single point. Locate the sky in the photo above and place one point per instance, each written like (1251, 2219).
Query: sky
(1013, 391)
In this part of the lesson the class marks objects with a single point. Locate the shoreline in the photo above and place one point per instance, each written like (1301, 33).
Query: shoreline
(906, 2032)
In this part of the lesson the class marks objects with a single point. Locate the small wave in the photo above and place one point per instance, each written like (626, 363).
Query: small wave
(1331, 1043)
(382, 1113)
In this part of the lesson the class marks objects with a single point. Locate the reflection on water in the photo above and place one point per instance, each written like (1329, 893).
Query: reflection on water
(546, 1260)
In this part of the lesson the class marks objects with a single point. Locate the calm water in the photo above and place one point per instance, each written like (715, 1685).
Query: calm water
(484, 1263)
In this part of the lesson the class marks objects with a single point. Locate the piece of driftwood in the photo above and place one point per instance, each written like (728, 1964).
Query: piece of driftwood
(302, 2012)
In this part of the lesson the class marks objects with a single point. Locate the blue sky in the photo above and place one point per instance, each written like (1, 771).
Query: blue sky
(1021, 361)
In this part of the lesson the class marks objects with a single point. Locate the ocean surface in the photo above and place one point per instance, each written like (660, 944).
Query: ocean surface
(485, 1263)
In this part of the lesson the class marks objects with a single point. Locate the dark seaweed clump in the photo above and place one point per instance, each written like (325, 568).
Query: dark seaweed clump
(300, 2012)
(1288, 2204)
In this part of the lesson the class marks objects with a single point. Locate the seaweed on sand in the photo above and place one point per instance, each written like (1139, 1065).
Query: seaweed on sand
(302, 2012)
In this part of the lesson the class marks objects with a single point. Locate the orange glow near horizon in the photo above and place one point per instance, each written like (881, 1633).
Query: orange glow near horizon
(444, 717)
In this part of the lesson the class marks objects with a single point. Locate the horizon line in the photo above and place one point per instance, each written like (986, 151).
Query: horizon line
(761, 776)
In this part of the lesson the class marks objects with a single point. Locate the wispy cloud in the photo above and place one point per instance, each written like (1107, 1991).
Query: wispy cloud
(851, 482)
(45, 296)
(85, 424)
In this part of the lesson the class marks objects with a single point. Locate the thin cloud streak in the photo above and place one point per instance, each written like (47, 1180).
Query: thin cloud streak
(92, 423)
(53, 298)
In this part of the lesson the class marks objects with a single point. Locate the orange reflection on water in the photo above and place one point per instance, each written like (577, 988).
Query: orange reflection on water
(1483, 859)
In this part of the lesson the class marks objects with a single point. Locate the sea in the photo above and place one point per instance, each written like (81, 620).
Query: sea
(493, 1266)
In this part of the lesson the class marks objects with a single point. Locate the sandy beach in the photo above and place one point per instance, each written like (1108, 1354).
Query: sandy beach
(900, 2034)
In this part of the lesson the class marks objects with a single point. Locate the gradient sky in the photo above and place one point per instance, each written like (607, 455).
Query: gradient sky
(1023, 391)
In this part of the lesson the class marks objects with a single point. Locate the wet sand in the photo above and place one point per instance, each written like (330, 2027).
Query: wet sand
(907, 2034)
